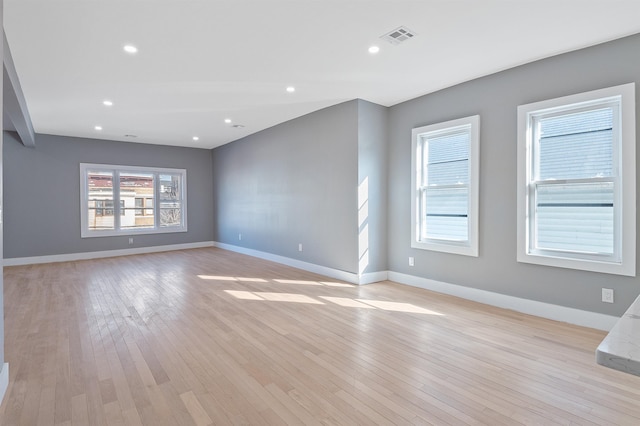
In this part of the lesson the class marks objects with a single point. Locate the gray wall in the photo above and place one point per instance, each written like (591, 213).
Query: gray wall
(42, 193)
(372, 168)
(293, 183)
(1, 215)
(496, 98)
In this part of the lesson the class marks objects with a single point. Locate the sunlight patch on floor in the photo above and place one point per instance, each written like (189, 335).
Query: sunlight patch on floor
(398, 307)
(345, 301)
(278, 280)
(289, 297)
(332, 284)
(243, 295)
(224, 278)
(297, 282)
(216, 278)
(341, 301)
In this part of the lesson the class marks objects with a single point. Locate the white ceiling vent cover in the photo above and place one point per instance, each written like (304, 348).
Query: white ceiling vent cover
(399, 35)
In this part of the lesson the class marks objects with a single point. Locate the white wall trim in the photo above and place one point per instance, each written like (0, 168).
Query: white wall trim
(373, 277)
(531, 307)
(306, 266)
(101, 254)
(4, 380)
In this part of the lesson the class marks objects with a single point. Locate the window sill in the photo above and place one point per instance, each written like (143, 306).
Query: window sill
(131, 232)
(464, 249)
(622, 268)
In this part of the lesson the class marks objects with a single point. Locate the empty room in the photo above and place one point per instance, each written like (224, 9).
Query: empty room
(353, 212)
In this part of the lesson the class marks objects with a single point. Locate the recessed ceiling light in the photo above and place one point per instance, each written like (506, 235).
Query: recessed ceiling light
(195, 138)
(98, 128)
(227, 120)
(130, 48)
(107, 102)
(291, 89)
(374, 49)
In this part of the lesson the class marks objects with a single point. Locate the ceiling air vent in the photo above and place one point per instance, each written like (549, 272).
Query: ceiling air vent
(399, 35)
(237, 126)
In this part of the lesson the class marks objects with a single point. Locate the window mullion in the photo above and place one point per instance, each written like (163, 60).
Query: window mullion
(116, 200)
(422, 212)
(532, 211)
(617, 184)
(156, 200)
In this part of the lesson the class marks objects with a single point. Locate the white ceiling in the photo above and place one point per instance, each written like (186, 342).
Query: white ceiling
(200, 62)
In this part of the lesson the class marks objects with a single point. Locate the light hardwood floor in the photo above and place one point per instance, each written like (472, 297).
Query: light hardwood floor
(206, 336)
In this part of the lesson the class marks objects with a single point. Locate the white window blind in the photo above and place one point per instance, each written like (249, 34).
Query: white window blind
(445, 190)
(574, 182)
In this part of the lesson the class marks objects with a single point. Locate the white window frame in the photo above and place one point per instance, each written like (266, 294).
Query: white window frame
(622, 261)
(117, 169)
(418, 135)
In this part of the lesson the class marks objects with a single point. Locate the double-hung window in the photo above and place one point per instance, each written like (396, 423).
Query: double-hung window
(124, 200)
(444, 184)
(576, 181)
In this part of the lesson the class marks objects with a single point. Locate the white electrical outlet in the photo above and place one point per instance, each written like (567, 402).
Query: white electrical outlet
(411, 261)
(130, 240)
(607, 295)
(300, 247)
(239, 236)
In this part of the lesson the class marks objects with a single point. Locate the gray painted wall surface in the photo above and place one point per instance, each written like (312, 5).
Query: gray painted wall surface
(1, 214)
(42, 190)
(372, 167)
(496, 98)
(293, 183)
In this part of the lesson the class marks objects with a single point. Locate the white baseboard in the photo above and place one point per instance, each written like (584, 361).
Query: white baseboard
(4, 380)
(306, 266)
(531, 307)
(101, 254)
(373, 277)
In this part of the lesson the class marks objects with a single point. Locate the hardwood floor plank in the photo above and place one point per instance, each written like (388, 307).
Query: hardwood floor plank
(79, 410)
(46, 410)
(207, 336)
(114, 414)
(199, 414)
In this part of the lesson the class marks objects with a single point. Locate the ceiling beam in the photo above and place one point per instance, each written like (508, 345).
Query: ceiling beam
(14, 103)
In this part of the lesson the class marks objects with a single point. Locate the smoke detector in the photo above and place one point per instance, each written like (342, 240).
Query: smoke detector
(399, 35)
